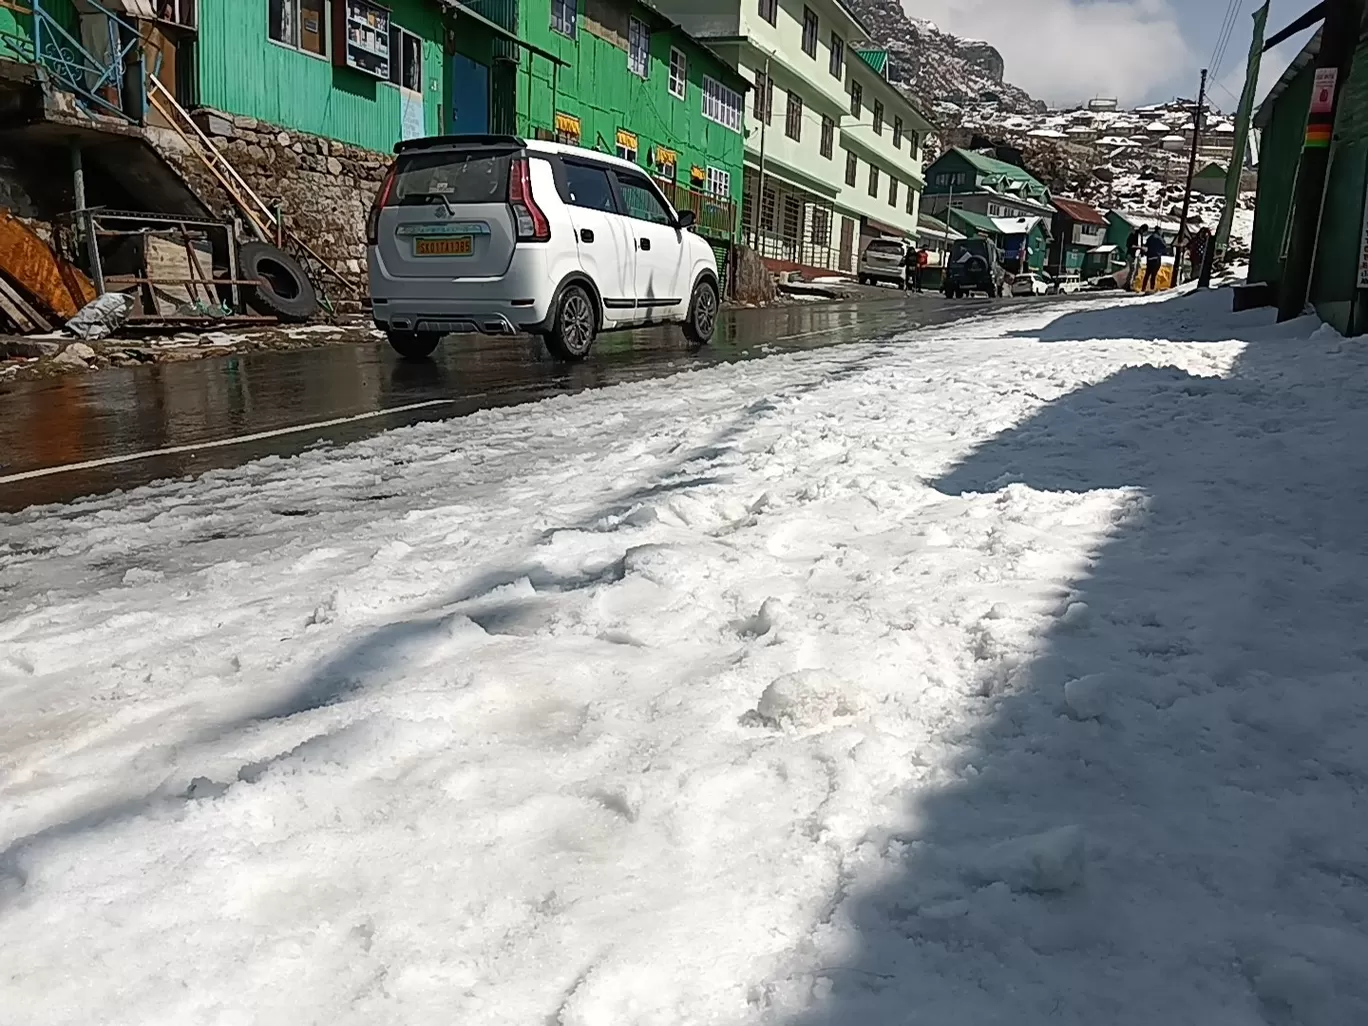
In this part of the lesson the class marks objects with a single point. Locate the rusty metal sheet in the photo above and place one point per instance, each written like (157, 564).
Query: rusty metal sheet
(50, 283)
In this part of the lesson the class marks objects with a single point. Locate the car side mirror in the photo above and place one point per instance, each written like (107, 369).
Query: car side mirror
(685, 219)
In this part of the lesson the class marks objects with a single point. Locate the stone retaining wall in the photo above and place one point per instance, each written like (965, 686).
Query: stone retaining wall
(326, 187)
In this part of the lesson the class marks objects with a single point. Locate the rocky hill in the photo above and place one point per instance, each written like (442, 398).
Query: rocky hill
(935, 67)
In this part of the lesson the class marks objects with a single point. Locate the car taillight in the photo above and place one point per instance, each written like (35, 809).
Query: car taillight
(381, 198)
(532, 223)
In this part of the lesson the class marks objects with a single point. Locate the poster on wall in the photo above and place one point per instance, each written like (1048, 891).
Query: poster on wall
(411, 115)
(362, 37)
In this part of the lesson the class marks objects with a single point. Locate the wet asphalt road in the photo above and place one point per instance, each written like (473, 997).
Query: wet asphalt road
(226, 411)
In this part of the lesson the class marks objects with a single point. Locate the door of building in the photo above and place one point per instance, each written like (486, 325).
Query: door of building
(469, 96)
(847, 242)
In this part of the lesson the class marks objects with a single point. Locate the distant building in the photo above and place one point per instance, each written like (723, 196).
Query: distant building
(1078, 228)
(1210, 180)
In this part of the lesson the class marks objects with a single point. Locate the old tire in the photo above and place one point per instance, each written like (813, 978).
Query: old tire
(701, 321)
(573, 325)
(413, 345)
(285, 290)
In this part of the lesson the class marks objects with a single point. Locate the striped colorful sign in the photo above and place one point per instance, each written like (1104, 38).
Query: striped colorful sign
(1318, 136)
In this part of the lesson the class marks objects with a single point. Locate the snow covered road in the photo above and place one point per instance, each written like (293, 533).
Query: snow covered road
(1007, 674)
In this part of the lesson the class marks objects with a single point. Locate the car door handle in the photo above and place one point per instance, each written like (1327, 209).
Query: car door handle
(645, 243)
(586, 235)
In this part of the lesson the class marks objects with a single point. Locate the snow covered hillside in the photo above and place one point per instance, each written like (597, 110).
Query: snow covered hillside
(934, 66)
(1009, 673)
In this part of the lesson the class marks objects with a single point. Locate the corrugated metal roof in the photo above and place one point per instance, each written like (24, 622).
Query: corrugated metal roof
(1264, 114)
(876, 59)
(1077, 210)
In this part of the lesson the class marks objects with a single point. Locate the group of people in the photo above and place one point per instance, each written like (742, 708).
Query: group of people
(1155, 249)
(915, 260)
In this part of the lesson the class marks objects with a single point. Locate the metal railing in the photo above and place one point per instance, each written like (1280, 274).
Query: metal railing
(716, 217)
(99, 82)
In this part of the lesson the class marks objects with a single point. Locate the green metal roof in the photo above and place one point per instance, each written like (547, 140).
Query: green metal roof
(975, 222)
(999, 169)
(876, 59)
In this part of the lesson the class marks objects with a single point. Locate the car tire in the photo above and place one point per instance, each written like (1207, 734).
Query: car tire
(413, 345)
(701, 320)
(573, 324)
(285, 290)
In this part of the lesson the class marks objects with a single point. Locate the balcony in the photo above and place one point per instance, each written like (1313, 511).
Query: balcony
(716, 216)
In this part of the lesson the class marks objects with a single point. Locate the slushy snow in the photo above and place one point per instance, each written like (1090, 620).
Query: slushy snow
(1006, 673)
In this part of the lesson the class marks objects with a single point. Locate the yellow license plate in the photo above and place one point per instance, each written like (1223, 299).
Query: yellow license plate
(456, 245)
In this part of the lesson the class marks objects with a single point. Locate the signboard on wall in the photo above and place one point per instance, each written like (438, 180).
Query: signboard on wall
(411, 115)
(361, 37)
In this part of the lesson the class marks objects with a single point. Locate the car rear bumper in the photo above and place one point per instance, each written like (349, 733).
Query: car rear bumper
(882, 273)
(520, 300)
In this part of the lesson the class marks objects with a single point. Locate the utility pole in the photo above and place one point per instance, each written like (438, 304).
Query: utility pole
(757, 212)
(1192, 170)
(1339, 36)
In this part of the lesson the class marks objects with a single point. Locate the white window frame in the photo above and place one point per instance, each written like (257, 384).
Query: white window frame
(624, 153)
(638, 47)
(679, 73)
(718, 183)
(297, 23)
(396, 79)
(722, 104)
(565, 17)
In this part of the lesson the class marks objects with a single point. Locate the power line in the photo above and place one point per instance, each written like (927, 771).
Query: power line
(1227, 31)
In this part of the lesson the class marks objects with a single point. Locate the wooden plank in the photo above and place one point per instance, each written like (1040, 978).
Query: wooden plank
(51, 284)
(30, 314)
(15, 315)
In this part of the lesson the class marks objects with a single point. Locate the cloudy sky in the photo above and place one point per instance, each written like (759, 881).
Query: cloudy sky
(1066, 51)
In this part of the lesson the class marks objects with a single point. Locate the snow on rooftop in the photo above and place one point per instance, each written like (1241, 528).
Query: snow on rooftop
(1046, 133)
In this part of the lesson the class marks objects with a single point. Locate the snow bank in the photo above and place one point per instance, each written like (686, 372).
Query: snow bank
(1007, 673)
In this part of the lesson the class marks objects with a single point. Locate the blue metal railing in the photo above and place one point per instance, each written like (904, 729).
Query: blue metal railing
(97, 82)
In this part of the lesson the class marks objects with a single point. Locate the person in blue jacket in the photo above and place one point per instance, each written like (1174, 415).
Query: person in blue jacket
(1155, 250)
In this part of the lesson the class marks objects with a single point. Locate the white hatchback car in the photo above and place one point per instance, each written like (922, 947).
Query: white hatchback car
(497, 235)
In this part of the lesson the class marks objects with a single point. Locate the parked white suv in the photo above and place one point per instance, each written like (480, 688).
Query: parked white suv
(885, 260)
(497, 235)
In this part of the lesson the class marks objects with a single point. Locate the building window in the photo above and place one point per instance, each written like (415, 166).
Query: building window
(302, 24)
(828, 136)
(719, 183)
(913, 144)
(897, 133)
(638, 47)
(406, 60)
(721, 104)
(837, 64)
(563, 16)
(809, 32)
(179, 12)
(873, 180)
(665, 163)
(911, 200)
(679, 73)
(878, 118)
(892, 191)
(821, 226)
(950, 178)
(856, 99)
(567, 129)
(852, 167)
(626, 145)
(793, 116)
(768, 201)
(764, 97)
(769, 10)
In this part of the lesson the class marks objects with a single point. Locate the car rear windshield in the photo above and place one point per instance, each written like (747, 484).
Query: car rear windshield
(886, 248)
(979, 247)
(471, 176)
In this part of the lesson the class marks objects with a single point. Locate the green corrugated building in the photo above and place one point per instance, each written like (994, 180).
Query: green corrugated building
(631, 82)
(1340, 267)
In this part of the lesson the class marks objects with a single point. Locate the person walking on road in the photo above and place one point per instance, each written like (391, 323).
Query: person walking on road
(1133, 243)
(1155, 250)
(919, 260)
(1197, 250)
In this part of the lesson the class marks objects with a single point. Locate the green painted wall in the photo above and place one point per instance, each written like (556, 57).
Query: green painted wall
(242, 71)
(1279, 155)
(600, 89)
(16, 30)
(1334, 279)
